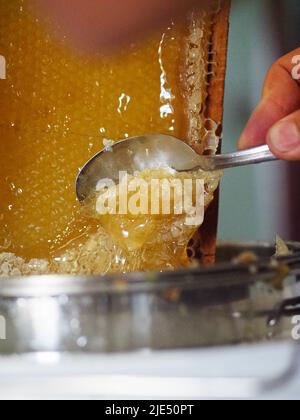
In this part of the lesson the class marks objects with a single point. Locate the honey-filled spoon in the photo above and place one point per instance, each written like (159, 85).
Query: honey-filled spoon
(137, 154)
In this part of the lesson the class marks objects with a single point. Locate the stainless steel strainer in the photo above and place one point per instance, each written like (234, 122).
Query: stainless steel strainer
(225, 304)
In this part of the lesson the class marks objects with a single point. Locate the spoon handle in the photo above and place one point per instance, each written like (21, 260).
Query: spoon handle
(233, 160)
(244, 157)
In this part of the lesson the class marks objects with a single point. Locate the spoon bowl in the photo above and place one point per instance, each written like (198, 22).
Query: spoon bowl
(134, 154)
(154, 152)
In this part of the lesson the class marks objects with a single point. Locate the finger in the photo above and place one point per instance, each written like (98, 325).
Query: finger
(281, 97)
(284, 137)
(103, 24)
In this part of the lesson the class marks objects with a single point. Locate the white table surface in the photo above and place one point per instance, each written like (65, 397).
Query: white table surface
(229, 372)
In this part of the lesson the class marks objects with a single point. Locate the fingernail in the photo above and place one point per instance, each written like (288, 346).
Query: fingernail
(285, 136)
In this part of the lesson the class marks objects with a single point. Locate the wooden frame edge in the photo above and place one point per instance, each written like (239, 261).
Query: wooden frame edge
(215, 110)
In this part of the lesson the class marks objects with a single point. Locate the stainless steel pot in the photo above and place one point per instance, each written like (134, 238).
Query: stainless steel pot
(225, 304)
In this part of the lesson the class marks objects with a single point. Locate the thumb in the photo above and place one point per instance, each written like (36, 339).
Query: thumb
(281, 97)
(284, 138)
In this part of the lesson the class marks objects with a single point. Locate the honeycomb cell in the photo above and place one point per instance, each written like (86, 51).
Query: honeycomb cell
(58, 108)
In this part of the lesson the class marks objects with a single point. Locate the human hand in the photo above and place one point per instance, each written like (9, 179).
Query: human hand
(103, 24)
(276, 120)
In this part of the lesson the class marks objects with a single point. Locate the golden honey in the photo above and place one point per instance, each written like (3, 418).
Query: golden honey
(150, 235)
(58, 108)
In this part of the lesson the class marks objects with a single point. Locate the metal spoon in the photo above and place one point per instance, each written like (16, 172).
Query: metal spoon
(157, 151)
